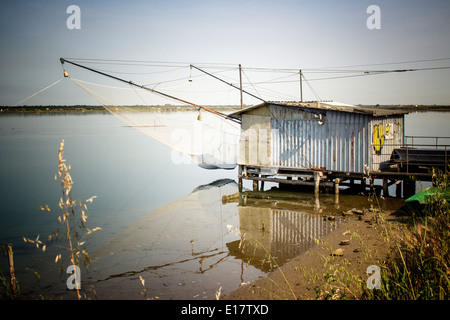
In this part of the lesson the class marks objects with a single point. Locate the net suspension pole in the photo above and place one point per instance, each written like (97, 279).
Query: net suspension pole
(240, 82)
(301, 89)
(230, 84)
(62, 60)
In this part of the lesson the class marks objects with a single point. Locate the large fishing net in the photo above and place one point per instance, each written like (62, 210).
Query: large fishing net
(208, 139)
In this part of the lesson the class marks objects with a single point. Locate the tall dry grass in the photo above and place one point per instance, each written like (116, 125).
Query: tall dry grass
(71, 236)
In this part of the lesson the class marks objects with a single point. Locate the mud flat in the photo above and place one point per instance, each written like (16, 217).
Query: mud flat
(356, 244)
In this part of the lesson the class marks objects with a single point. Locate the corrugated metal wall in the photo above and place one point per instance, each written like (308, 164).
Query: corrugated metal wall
(299, 141)
(290, 137)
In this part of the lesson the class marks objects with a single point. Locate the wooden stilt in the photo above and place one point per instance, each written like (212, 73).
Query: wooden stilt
(398, 189)
(336, 185)
(316, 181)
(385, 187)
(255, 185)
(240, 178)
(371, 185)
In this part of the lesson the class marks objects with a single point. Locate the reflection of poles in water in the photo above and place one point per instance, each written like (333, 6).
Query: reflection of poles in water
(317, 208)
(192, 247)
(336, 201)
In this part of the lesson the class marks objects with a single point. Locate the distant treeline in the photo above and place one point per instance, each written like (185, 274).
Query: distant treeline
(168, 107)
(99, 108)
(412, 107)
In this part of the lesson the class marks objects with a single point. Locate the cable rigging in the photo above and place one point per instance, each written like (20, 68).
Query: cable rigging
(330, 73)
(131, 83)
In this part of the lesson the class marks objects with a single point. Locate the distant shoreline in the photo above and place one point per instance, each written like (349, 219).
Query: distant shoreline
(95, 108)
(167, 108)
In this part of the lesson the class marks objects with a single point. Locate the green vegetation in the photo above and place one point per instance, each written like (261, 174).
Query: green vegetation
(419, 263)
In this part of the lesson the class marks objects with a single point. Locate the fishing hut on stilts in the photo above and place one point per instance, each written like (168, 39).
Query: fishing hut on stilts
(323, 145)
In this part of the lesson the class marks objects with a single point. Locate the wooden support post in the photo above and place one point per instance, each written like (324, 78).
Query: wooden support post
(255, 185)
(385, 187)
(317, 175)
(240, 178)
(363, 185)
(11, 272)
(336, 192)
(262, 185)
(336, 185)
(398, 189)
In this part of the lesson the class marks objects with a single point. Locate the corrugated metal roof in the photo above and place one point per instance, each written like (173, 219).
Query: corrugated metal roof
(376, 112)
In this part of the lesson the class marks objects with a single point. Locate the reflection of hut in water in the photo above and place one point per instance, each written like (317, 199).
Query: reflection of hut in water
(277, 233)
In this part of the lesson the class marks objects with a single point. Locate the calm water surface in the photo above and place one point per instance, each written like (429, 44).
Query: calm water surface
(162, 221)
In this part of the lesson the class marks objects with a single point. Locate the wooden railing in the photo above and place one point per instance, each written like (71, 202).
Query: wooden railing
(408, 160)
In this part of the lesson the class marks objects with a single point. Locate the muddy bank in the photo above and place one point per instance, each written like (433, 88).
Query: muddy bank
(337, 258)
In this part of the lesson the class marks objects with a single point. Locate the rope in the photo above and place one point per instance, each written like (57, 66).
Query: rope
(252, 84)
(312, 89)
(42, 90)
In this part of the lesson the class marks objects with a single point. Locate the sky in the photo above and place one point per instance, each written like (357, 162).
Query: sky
(315, 36)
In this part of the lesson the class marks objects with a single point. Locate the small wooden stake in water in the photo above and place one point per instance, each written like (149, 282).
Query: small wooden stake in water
(11, 272)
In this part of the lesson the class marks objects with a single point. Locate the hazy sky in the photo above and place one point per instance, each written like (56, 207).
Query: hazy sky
(306, 35)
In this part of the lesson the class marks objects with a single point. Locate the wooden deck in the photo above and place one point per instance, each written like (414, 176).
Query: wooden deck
(329, 181)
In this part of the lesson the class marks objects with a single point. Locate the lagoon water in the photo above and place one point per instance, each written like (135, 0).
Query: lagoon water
(159, 220)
